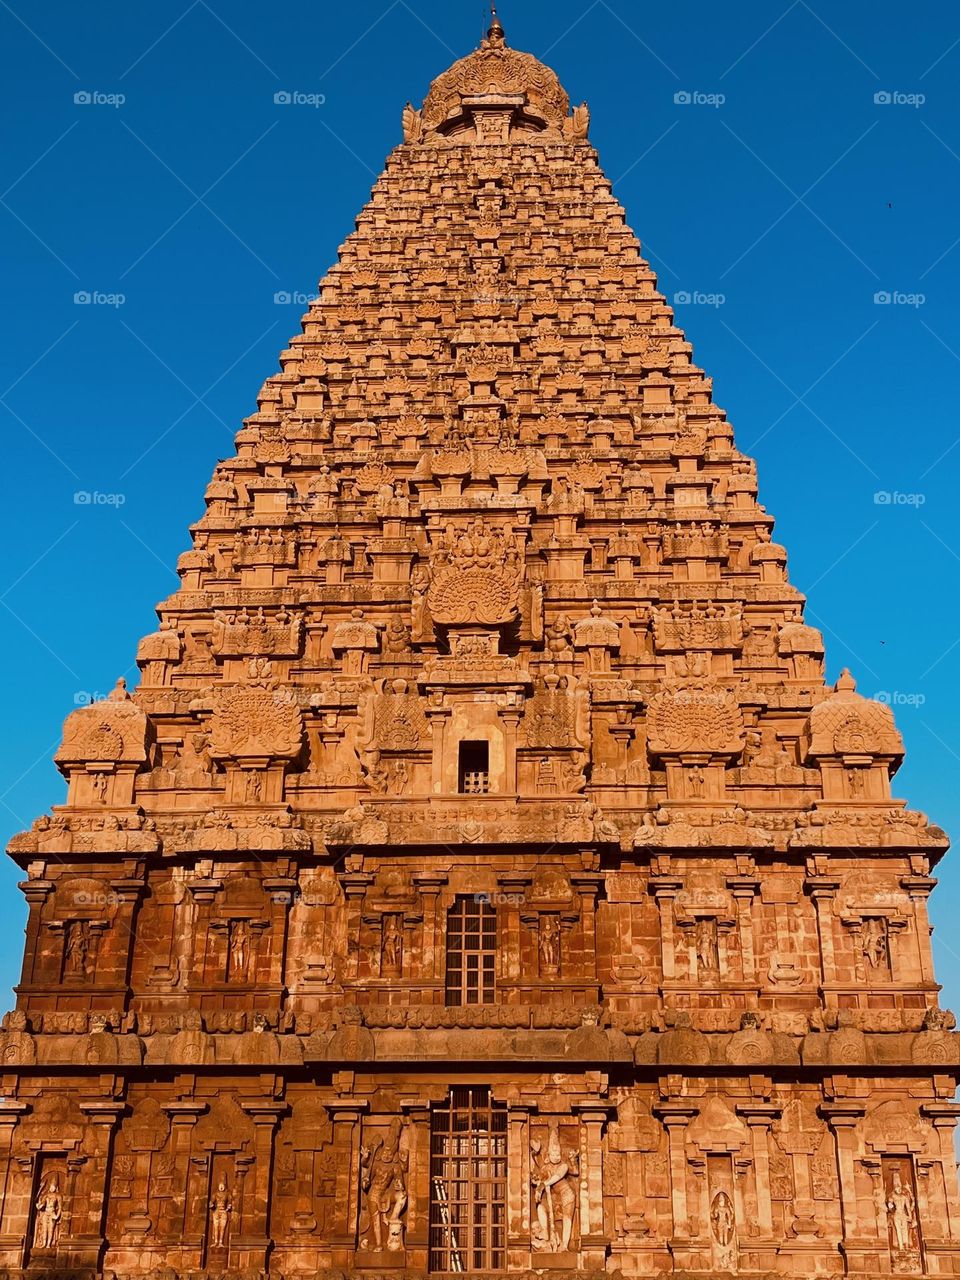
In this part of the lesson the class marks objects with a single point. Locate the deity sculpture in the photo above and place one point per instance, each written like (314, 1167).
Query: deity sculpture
(902, 1213)
(239, 950)
(221, 1207)
(383, 1180)
(77, 948)
(874, 942)
(554, 1194)
(549, 942)
(706, 944)
(392, 942)
(723, 1223)
(49, 1211)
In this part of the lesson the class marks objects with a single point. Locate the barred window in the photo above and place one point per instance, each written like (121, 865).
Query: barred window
(468, 1182)
(471, 951)
(474, 773)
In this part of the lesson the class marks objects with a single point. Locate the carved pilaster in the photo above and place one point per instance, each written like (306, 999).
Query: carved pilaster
(665, 890)
(345, 1112)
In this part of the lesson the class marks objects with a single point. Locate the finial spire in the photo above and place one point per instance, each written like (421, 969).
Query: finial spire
(496, 31)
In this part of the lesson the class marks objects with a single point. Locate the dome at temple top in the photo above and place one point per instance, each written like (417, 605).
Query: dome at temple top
(492, 79)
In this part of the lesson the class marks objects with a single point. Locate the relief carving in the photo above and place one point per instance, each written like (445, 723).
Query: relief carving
(383, 1181)
(553, 1174)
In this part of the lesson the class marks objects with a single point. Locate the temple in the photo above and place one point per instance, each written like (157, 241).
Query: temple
(483, 877)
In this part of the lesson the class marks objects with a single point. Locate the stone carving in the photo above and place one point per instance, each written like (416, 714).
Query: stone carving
(242, 634)
(846, 724)
(708, 956)
(412, 124)
(901, 1207)
(699, 626)
(496, 70)
(874, 943)
(476, 575)
(391, 950)
(553, 1172)
(485, 526)
(76, 952)
(694, 720)
(17, 1045)
(577, 128)
(108, 734)
(723, 1226)
(383, 1181)
(599, 635)
(48, 1212)
(254, 723)
(221, 1208)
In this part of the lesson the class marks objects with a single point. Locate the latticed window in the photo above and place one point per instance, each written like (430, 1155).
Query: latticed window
(471, 951)
(474, 768)
(468, 1182)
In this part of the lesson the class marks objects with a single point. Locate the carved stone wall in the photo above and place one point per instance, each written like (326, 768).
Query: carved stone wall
(483, 753)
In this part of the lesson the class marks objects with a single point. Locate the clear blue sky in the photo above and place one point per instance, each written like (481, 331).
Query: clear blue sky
(798, 199)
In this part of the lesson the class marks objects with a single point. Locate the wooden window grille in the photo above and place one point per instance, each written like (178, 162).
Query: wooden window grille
(471, 951)
(468, 1182)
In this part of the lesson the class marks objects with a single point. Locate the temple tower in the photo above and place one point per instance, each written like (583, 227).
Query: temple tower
(482, 877)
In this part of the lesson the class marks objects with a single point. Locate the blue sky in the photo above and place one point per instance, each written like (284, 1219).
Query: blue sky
(787, 166)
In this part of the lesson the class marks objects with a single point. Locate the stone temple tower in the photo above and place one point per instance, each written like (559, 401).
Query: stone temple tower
(482, 878)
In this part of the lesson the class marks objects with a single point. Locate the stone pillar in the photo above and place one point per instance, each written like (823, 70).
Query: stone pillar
(194, 1182)
(843, 1118)
(593, 1242)
(518, 1185)
(252, 1242)
(759, 1116)
(676, 1114)
(744, 889)
(510, 719)
(14, 1211)
(514, 886)
(943, 1116)
(417, 1233)
(429, 884)
(88, 1237)
(822, 890)
(665, 890)
(587, 885)
(919, 889)
(354, 885)
(128, 890)
(345, 1112)
(439, 719)
(36, 890)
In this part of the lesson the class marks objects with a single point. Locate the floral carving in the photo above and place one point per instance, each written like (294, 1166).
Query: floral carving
(251, 723)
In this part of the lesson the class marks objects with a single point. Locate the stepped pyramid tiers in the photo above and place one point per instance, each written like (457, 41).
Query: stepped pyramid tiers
(483, 877)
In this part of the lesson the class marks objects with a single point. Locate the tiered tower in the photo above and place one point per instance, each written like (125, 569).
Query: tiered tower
(482, 878)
